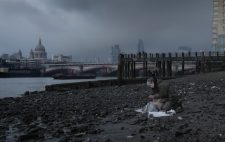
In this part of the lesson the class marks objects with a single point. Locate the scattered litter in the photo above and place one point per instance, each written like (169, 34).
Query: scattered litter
(179, 118)
(152, 110)
(130, 137)
(171, 112)
(192, 84)
(214, 87)
(158, 114)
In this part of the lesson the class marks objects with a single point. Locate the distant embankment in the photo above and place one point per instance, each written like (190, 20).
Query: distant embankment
(91, 84)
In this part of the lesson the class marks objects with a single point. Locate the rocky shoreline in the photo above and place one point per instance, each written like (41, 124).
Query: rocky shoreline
(107, 114)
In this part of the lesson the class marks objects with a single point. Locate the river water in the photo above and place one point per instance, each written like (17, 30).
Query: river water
(14, 87)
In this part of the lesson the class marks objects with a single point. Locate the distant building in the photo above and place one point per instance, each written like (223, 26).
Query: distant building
(39, 52)
(61, 58)
(5, 56)
(31, 54)
(218, 27)
(115, 54)
(16, 56)
(140, 48)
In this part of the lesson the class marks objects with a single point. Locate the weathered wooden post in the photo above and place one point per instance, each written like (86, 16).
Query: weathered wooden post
(124, 66)
(128, 69)
(176, 65)
(209, 62)
(131, 66)
(203, 62)
(157, 60)
(146, 64)
(158, 64)
(189, 54)
(143, 67)
(163, 65)
(160, 67)
(134, 72)
(120, 69)
(196, 62)
(169, 66)
(183, 63)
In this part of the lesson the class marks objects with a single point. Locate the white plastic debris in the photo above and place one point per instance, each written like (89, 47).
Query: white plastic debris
(130, 137)
(158, 114)
(192, 84)
(171, 112)
(215, 87)
(179, 118)
(152, 110)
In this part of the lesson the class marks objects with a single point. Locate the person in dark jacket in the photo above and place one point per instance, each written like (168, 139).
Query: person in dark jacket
(163, 97)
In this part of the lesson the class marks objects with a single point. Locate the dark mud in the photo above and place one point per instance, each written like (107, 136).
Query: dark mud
(107, 114)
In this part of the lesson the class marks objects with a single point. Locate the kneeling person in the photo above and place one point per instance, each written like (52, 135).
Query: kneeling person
(162, 97)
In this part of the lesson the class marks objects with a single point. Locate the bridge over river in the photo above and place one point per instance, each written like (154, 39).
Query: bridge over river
(102, 69)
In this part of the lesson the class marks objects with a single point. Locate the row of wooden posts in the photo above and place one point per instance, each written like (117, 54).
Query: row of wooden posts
(203, 62)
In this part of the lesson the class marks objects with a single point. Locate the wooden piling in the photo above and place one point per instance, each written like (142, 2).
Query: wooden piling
(203, 62)
(183, 63)
(163, 65)
(120, 69)
(169, 66)
(163, 62)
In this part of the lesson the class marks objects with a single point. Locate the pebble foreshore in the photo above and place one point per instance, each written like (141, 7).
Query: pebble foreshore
(106, 114)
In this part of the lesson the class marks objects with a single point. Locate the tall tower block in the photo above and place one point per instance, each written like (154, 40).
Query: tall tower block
(140, 48)
(218, 28)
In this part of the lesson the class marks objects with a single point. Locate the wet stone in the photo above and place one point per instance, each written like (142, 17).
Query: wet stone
(142, 130)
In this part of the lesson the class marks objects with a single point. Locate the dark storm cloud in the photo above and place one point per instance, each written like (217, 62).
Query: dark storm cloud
(9, 7)
(90, 27)
(162, 23)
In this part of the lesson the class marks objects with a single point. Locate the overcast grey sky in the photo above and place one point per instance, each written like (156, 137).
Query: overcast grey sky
(88, 28)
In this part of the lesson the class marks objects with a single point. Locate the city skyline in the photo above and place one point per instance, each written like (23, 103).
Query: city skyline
(87, 28)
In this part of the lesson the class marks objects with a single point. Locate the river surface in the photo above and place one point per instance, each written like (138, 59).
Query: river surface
(14, 87)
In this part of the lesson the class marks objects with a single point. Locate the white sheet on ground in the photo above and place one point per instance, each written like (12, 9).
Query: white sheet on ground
(152, 110)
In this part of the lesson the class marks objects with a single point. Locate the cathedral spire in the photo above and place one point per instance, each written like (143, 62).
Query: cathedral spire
(39, 40)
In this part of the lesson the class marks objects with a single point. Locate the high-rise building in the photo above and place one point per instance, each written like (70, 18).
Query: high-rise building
(218, 28)
(115, 53)
(140, 48)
